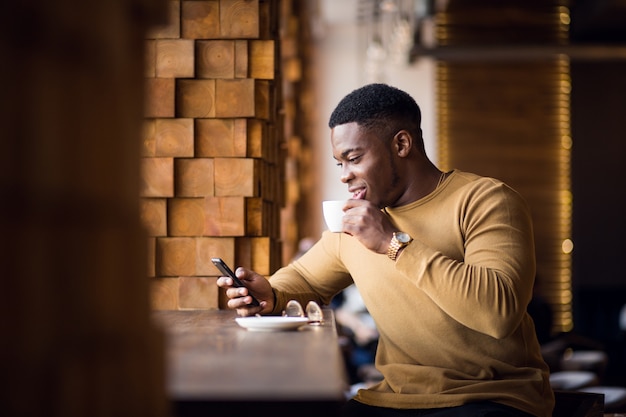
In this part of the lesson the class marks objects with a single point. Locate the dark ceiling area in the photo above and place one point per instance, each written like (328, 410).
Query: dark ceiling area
(598, 21)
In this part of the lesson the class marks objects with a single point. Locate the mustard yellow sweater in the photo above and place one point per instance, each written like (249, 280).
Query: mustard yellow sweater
(451, 311)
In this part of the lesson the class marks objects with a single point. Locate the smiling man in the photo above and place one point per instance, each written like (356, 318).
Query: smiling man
(444, 262)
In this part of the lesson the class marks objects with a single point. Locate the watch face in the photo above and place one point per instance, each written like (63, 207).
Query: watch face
(403, 237)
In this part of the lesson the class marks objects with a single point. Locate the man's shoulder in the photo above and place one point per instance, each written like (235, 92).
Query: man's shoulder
(475, 185)
(472, 177)
(475, 180)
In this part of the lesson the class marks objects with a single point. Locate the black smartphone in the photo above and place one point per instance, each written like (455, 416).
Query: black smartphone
(224, 269)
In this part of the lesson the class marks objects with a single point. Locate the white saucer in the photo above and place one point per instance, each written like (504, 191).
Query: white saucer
(271, 323)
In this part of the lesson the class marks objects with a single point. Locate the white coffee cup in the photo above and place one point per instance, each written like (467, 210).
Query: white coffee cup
(333, 214)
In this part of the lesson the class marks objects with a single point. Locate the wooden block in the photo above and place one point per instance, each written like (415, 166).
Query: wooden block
(175, 256)
(153, 213)
(174, 137)
(262, 59)
(256, 253)
(268, 20)
(159, 97)
(150, 256)
(150, 59)
(243, 252)
(240, 137)
(221, 137)
(255, 216)
(275, 213)
(275, 148)
(168, 137)
(170, 30)
(175, 58)
(261, 255)
(185, 217)
(164, 293)
(194, 177)
(276, 144)
(200, 19)
(148, 137)
(239, 19)
(263, 105)
(264, 179)
(235, 98)
(216, 59)
(195, 98)
(224, 216)
(257, 134)
(157, 177)
(236, 177)
(241, 59)
(213, 247)
(197, 293)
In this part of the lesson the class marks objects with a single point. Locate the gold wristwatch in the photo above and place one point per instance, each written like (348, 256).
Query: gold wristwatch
(398, 241)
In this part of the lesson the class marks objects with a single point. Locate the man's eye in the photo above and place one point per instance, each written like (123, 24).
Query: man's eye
(351, 160)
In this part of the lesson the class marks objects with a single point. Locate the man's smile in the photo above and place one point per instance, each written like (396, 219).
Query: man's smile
(358, 193)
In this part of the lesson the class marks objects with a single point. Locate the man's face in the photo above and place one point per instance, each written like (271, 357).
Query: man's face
(365, 163)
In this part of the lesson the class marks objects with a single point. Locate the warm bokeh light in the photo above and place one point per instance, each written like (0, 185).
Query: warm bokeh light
(563, 311)
(567, 246)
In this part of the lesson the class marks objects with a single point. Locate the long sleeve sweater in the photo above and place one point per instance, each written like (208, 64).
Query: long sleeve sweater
(451, 311)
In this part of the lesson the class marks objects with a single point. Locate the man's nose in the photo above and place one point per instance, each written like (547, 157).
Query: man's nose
(346, 174)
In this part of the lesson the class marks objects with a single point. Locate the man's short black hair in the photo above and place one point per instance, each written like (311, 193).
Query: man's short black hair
(378, 106)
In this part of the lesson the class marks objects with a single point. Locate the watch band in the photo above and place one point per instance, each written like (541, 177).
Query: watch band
(396, 244)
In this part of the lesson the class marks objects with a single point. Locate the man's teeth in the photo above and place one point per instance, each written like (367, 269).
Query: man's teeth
(358, 195)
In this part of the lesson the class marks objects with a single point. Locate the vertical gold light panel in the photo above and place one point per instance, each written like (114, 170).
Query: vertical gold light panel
(504, 111)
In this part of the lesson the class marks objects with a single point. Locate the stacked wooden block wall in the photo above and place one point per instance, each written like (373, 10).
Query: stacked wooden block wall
(212, 148)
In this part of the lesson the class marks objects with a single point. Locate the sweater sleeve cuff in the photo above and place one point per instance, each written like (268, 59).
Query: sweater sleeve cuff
(279, 302)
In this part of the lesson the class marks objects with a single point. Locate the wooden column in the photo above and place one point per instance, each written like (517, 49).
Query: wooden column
(213, 154)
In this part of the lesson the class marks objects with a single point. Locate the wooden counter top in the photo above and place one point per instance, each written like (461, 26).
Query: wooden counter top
(212, 359)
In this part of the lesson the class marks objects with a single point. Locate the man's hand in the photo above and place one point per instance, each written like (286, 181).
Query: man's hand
(368, 224)
(239, 298)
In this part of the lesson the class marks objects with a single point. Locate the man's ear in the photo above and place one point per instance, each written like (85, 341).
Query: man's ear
(403, 142)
